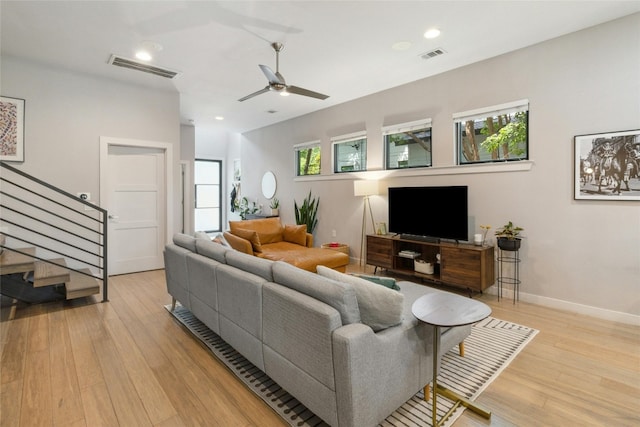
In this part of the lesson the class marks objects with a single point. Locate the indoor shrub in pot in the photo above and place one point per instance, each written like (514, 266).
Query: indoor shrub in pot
(275, 205)
(307, 212)
(507, 237)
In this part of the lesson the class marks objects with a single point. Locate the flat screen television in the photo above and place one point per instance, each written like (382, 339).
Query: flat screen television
(429, 213)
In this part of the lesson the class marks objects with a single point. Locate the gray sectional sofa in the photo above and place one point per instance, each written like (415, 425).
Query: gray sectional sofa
(350, 350)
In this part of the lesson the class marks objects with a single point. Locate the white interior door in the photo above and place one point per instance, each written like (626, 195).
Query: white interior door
(136, 202)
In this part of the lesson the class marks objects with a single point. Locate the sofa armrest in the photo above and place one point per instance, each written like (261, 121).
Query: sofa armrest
(309, 241)
(376, 373)
(238, 243)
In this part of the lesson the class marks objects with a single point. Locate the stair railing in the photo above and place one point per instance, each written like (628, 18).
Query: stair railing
(55, 222)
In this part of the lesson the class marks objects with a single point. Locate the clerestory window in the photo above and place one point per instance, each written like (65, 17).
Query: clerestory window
(307, 158)
(408, 145)
(493, 134)
(349, 152)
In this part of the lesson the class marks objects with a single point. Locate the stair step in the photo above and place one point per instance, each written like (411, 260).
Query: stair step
(13, 262)
(80, 285)
(46, 273)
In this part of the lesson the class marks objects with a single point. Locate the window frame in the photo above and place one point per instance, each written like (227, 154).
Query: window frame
(403, 128)
(343, 139)
(306, 146)
(481, 114)
(220, 198)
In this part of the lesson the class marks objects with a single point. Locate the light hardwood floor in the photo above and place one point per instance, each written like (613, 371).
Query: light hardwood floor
(128, 363)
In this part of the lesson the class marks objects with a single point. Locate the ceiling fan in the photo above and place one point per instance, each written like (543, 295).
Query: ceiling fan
(277, 82)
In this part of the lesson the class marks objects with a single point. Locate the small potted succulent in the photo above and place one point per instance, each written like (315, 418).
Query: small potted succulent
(275, 205)
(508, 237)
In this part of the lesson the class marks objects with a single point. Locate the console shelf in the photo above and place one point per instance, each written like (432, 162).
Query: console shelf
(461, 265)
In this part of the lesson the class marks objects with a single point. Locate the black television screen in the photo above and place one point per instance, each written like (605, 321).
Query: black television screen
(434, 212)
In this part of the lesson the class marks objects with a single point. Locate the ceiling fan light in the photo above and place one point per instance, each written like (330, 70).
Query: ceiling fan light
(284, 92)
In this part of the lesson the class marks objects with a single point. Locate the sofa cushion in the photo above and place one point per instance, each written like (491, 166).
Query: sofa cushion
(251, 264)
(211, 250)
(295, 234)
(185, 241)
(201, 235)
(303, 257)
(251, 236)
(338, 295)
(380, 307)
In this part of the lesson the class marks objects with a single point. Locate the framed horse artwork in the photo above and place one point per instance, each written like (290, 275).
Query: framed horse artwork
(607, 166)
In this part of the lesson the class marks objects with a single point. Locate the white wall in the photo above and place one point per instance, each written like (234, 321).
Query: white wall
(579, 255)
(66, 113)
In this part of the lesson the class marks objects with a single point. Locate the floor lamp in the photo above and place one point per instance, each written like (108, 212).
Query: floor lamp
(365, 188)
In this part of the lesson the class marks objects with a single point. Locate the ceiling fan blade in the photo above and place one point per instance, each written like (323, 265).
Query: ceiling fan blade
(274, 78)
(305, 92)
(266, 89)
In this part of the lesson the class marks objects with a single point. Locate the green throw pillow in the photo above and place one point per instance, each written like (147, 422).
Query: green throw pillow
(388, 282)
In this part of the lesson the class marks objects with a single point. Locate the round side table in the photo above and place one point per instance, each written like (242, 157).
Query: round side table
(444, 309)
(340, 247)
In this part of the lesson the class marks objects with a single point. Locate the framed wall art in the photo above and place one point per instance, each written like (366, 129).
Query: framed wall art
(11, 129)
(606, 166)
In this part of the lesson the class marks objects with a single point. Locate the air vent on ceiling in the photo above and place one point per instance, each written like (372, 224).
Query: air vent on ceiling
(433, 53)
(146, 68)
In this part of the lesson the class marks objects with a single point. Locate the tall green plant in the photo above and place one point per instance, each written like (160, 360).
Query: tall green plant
(307, 213)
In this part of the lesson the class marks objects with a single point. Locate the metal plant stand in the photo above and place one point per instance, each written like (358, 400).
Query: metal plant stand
(506, 258)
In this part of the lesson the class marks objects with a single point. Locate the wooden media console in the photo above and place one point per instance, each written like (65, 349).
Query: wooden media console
(461, 265)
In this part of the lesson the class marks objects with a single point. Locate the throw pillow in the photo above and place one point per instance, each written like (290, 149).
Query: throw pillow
(251, 236)
(388, 282)
(220, 240)
(295, 234)
(380, 307)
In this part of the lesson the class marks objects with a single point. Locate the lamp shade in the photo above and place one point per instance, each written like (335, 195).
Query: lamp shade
(366, 187)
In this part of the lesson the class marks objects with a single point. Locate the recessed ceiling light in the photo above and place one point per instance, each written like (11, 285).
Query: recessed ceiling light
(146, 48)
(403, 45)
(219, 118)
(143, 55)
(432, 33)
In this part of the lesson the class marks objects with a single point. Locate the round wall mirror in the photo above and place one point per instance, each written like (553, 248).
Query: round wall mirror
(268, 185)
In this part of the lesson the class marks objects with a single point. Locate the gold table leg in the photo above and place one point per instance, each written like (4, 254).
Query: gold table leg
(473, 406)
(445, 392)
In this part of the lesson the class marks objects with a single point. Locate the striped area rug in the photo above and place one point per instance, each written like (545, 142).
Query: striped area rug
(492, 345)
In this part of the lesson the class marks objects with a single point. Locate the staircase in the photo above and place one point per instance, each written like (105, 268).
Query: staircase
(52, 243)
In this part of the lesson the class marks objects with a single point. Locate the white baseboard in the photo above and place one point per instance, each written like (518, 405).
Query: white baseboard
(600, 313)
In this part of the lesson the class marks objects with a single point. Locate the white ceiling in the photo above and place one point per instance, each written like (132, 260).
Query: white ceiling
(339, 48)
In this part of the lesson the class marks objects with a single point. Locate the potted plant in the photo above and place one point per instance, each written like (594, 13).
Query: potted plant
(246, 207)
(275, 205)
(306, 214)
(507, 237)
